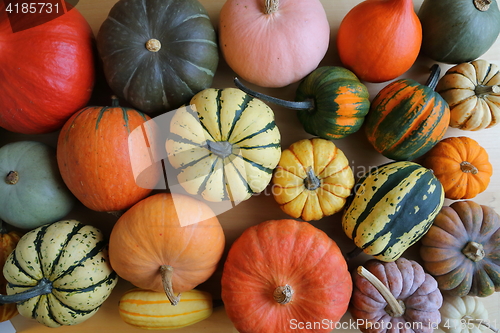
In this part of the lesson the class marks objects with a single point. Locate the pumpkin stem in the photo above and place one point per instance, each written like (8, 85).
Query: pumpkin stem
(353, 253)
(474, 251)
(283, 294)
(311, 182)
(481, 90)
(115, 102)
(482, 5)
(468, 167)
(167, 273)
(433, 79)
(222, 149)
(303, 105)
(271, 6)
(44, 286)
(12, 178)
(395, 308)
(469, 319)
(153, 45)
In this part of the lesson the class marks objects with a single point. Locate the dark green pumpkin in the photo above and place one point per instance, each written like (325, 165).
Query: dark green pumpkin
(331, 101)
(407, 119)
(392, 208)
(457, 31)
(159, 53)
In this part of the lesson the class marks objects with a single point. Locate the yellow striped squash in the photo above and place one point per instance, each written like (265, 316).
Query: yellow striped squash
(224, 145)
(152, 310)
(394, 205)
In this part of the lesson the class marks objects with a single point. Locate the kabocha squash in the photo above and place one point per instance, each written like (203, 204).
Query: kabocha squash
(472, 90)
(280, 275)
(379, 40)
(167, 243)
(224, 145)
(47, 72)
(32, 192)
(312, 180)
(395, 297)
(456, 31)
(461, 165)
(151, 310)
(158, 54)
(59, 273)
(465, 314)
(94, 157)
(461, 249)
(331, 102)
(273, 43)
(8, 242)
(393, 206)
(407, 119)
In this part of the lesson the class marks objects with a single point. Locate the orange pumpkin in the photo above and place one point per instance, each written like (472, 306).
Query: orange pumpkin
(94, 159)
(282, 274)
(379, 39)
(273, 43)
(461, 165)
(8, 242)
(166, 242)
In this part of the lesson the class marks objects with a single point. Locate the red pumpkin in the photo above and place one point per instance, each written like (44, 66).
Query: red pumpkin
(93, 154)
(280, 275)
(47, 72)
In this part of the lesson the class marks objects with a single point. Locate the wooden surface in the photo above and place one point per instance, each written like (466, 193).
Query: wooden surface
(263, 207)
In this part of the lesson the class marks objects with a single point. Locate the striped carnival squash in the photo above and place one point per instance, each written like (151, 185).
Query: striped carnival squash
(157, 54)
(151, 310)
(59, 273)
(225, 145)
(407, 119)
(392, 208)
(94, 155)
(331, 102)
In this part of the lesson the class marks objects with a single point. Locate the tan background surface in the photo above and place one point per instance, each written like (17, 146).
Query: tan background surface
(263, 207)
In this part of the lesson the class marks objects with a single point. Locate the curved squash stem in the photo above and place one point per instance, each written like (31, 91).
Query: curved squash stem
(303, 105)
(480, 322)
(312, 181)
(396, 308)
(283, 294)
(481, 90)
(167, 272)
(433, 79)
(12, 178)
(44, 286)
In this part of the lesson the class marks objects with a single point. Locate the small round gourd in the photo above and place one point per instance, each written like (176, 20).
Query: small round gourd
(224, 145)
(32, 192)
(159, 53)
(457, 31)
(390, 297)
(461, 249)
(59, 273)
(312, 180)
(461, 165)
(331, 102)
(465, 314)
(472, 90)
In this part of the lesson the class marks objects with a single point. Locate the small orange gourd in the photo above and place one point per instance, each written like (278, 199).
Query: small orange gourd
(461, 165)
(8, 242)
(166, 242)
(380, 39)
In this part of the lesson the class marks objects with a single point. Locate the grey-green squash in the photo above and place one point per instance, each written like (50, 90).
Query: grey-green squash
(59, 273)
(224, 145)
(393, 206)
(157, 54)
(457, 31)
(32, 192)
